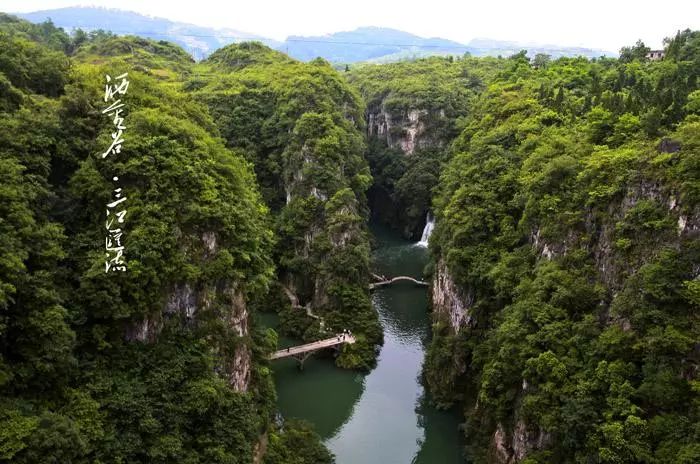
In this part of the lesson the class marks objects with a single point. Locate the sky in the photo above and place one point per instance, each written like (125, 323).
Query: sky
(605, 24)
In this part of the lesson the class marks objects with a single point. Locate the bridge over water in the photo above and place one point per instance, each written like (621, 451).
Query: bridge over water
(302, 352)
(387, 281)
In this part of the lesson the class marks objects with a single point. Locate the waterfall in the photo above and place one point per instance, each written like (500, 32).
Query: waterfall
(427, 230)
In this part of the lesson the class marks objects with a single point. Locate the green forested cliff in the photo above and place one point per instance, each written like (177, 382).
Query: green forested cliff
(565, 258)
(160, 363)
(413, 110)
(299, 125)
(566, 262)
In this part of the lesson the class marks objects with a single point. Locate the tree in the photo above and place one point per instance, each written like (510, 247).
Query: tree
(541, 60)
(637, 52)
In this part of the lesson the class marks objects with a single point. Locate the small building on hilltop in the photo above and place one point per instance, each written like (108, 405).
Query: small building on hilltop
(656, 55)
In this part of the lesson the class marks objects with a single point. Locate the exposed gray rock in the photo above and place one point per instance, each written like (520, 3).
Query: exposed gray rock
(501, 451)
(669, 146)
(209, 239)
(448, 301)
(602, 246)
(186, 300)
(406, 130)
(181, 300)
(510, 447)
(144, 331)
(525, 441)
(237, 369)
(413, 130)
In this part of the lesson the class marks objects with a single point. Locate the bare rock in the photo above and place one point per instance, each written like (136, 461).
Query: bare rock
(448, 300)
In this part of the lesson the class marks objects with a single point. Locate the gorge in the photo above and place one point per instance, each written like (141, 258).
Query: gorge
(384, 415)
(550, 207)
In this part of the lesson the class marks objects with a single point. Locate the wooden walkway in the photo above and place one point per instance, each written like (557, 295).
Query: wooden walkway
(302, 352)
(374, 285)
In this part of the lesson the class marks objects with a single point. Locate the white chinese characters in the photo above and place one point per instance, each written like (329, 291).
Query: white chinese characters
(116, 210)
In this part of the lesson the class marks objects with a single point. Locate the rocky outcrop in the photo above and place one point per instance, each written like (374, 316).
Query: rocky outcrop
(260, 448)
(510, 447)
(237, 368)
(298, 182)
(145, 330)
(308, 289)
(500, 451)
(184, 301)
(449, 302)
(602, 233)
(688, 227)
(407, 130)
(598, 233)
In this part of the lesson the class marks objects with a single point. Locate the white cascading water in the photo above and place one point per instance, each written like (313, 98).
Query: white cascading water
(427, 230)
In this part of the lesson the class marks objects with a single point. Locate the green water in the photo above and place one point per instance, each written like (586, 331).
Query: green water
(381, 417)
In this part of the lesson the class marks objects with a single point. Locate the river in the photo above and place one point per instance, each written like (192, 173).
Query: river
(382, 417)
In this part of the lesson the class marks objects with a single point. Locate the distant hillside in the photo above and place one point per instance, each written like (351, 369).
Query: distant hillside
(381, 45)
(506, 48)
(368, 43)
(375, 44)
(199, 41)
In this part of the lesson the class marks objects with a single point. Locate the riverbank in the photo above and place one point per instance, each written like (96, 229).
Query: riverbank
(384, 416)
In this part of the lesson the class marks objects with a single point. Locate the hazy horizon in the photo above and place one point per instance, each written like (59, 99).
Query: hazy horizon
(596, 24)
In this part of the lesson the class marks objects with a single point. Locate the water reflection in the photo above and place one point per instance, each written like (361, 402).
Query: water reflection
(406, 325)
(442, 437)
(383, 417)
(321, 394)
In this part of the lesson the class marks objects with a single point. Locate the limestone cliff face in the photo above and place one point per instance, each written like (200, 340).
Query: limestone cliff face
(299, 180)
(146, 330)
(311, 178)
(305, 289)
(602, 232)
(186, 300)
(512, 441)
(237, 368)
(416, 132)
(407, 130)
(512, 446)
(342, 233)
(449, 302)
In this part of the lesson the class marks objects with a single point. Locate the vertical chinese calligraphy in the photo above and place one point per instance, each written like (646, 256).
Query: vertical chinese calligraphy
(116, 210)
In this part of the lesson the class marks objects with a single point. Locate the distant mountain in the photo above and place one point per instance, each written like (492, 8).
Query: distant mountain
(491, 47)
(199, 41)
(374, 44)
(368, 43)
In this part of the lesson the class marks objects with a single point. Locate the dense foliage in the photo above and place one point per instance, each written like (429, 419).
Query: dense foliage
(299, 124)
(119, 367)
(568, 218)
(567, 197)
(440, 91)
